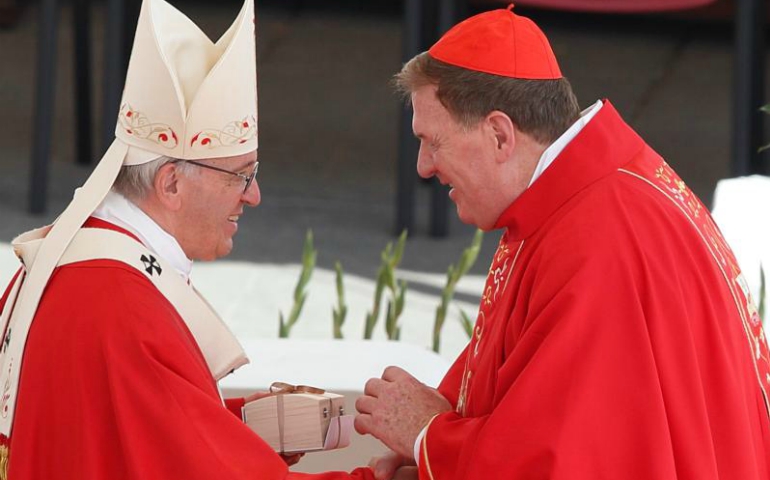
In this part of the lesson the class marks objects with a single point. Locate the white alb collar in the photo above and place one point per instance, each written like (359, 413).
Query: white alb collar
(553, 150)
(118, 210)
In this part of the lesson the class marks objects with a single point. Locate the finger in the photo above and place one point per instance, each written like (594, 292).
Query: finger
(292, 459)
(374, 387)
(386, 465)
(386, 456)
(256, 396)
(363, 423)
(393, 373)
(366, 404)
(385, 471)
(405, 473)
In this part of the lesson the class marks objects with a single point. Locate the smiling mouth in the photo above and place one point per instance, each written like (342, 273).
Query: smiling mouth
(233, 218)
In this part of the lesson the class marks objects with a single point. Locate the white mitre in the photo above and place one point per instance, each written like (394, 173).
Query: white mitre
(185, 97)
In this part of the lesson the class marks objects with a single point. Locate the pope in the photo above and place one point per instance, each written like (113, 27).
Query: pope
(109, 357)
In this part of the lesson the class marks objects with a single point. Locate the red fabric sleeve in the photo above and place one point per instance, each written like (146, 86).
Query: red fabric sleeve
(619, 359)
(235, 405)
(570, 399)
(130, 397)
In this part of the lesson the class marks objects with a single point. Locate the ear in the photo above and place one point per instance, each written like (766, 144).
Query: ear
(504, 133)
(167, 187)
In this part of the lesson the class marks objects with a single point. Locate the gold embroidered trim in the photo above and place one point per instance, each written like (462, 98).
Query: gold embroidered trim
(3, 462)
(513, 264)
(475, 342)
(730, 286)
(424, 449)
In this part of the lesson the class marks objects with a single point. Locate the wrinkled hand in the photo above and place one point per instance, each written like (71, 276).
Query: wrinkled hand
(292, 458)
(385, 465)
(256, 396)
(395, 408)
(407, 473)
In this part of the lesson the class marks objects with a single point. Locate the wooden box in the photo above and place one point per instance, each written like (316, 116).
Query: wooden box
(300, 422)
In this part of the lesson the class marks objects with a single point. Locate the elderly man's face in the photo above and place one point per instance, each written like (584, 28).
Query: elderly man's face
(461, 158)
(212, 207)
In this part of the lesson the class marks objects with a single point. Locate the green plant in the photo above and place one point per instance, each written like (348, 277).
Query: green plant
(394, 310)
(454, 273)
(309, 255)
(386, 277)
(339, 312)
(465, 320)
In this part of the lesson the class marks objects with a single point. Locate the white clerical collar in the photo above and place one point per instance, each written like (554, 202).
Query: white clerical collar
(553, 151)
(120, 211)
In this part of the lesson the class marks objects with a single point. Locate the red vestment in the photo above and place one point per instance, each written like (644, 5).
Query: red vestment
(113, 386)
(616, 338)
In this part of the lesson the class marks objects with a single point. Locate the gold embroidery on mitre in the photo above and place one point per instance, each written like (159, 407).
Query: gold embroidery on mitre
(235, 132)
(137, 124)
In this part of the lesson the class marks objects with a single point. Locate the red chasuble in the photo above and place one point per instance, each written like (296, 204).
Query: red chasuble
(616, 337)
(113, 386)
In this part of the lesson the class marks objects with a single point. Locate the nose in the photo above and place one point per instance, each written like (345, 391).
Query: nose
(425, 165)
(252, 196)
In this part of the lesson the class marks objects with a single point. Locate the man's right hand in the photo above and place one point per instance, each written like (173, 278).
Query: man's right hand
(407, 473)
(386, 465)
(396, 407)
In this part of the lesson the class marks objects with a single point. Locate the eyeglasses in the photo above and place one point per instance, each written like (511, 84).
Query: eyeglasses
(247, 179)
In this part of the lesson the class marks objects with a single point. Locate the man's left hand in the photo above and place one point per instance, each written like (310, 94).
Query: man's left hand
(292, 458)
(396, 407)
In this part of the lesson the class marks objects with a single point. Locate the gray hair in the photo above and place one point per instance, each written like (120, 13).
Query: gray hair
(136, 181)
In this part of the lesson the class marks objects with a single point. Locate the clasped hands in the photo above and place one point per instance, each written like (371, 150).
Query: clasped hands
(394, 409)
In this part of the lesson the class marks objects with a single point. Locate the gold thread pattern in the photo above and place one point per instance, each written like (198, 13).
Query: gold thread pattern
(497, 281)
(670, 185)
(3, 462)
(424, 448)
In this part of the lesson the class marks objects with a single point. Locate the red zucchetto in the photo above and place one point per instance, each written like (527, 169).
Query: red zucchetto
(501, 43)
